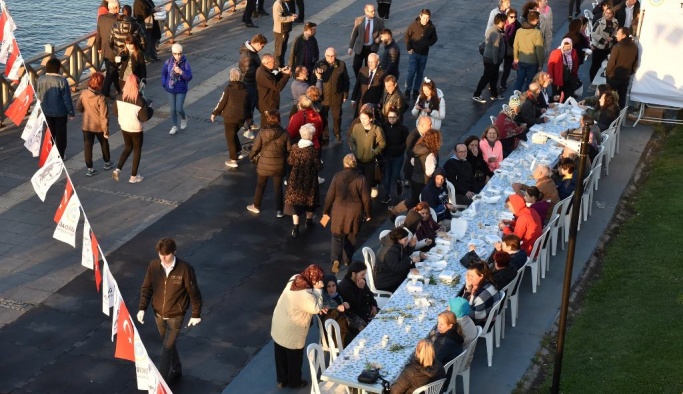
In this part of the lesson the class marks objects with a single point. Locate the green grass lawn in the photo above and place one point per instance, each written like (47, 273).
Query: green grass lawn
(628, 334)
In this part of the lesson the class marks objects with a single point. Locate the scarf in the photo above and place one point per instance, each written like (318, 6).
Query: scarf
(172, 76)
(304, 143)
(308, 278)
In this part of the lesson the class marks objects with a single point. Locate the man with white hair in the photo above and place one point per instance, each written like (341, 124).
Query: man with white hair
(545, 185)
(105, 25)
(335, 90)
(369, 84)
(269, 83)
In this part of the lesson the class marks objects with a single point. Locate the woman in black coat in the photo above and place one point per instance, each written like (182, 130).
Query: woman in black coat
(272, 145)
(233, 107)
(480, 170)
(347, 200)
(447, 337)
(355, 291)
(423, 368)
(393, 259)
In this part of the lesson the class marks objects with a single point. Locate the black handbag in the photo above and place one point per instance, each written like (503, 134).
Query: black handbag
(371, 376)
(469, 258)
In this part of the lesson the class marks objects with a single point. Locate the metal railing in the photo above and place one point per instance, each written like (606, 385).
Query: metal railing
(79, 59)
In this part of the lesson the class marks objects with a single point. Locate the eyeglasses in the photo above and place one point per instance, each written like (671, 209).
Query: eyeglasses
(512, 16)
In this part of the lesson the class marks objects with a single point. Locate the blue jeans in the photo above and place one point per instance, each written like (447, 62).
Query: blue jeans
(416, 68)
(169, 330)
(175, 102)
(392, 172)
(525, 74)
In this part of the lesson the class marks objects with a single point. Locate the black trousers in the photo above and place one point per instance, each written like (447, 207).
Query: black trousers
(89, 141)
(343, 247)
(490, 77)
(336, 120)
(261, 182)
(299, 10)
(232, 139)
(576, 4)
(133, 143)
(57, 125)
(359, 60)
(288, 365)
(368, 170)
(248, 10)
(281, 40)
(507, 67)
(599, 55)
(112, 76)
(621, 86)
(383, 10)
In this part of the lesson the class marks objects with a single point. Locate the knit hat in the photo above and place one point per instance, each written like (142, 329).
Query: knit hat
(515, 101)
(459, 306)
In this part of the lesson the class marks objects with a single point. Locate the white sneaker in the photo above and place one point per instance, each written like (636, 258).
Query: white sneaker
(321, 180)
(115, 174)
(252, 208)
(183, 123)
(249, 134)
(173, 130)
(136, 179)
(241, 156)
(374, 192)
(231, 163)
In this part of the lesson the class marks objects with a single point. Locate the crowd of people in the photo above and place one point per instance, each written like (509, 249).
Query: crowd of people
(383, 152)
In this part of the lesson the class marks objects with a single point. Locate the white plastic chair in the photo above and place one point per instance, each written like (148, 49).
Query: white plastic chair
(381, 296)
(593, 186)
(509, 290)
(621, 119)
(433, 212)
(514, 300)
(546, 245)
(493, 119)
(560, 209)
(534, 261)
(334, 339)
(399, 220)
(383, 234)
(465, 366)
(488, 329)
(431, 388)
(451, 369)
(316, 363)
(598, 162)
(451, 196)
(588, 14)
(322, 340)
(586, 198)
(608, 139)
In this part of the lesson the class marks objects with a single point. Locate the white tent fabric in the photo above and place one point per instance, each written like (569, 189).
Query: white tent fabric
(659, 78)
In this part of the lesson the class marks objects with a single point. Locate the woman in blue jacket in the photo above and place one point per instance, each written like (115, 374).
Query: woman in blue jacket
(175, 75)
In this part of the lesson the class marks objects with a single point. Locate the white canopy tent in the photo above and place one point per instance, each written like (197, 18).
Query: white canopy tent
(659, 79)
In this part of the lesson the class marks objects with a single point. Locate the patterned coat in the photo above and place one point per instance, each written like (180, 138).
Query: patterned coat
(302, 185)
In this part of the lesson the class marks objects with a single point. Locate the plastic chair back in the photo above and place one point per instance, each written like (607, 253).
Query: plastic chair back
(399, 220)
(383, 234)
(431, 388)
(452, 367)
(316, 365)
(334, 338)
(381, 296)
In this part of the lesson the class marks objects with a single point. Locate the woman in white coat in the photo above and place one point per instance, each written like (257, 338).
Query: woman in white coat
(430, 102)
(299, 301)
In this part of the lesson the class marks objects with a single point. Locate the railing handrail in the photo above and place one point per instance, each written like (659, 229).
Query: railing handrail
(79, 59)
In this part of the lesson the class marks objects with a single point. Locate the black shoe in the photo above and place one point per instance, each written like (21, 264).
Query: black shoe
(303, 383)
(386, 200)
(295, 231)
(255, 14)
(416, 95)
(298, 21)
(399, 187)
(251, 25)
(309, 224)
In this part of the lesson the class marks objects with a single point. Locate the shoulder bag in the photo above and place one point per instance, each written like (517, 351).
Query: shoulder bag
(256, 158)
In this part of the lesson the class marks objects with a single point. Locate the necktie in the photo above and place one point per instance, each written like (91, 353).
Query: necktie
(372, 75)
(367, 31)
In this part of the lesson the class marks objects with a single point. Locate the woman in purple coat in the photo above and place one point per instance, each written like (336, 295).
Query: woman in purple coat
(175, 75)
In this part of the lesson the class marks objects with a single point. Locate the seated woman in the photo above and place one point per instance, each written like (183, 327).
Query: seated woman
(335, 305)
(435, 193)
(420, 222)
(362, 305)
(394, 260)
(566, 186)
(480, 170)
(423, 368)
(503, 272)
(536, 201)
(480, 291)
(491, 149)
(461, 308)
(447, 337)
(509, 130)
(609, 111)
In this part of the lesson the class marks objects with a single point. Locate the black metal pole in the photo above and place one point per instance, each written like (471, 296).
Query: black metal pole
(569, 265)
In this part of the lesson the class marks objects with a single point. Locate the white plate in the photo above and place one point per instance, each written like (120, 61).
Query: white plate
(438, 265)
(490, 238)
(506, 215)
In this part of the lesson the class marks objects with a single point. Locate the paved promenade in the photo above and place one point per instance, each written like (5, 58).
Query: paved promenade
(53, 333)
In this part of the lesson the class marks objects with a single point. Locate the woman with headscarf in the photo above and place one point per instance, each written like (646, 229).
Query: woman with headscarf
(394, 259)
(509, 131)
(355, 291)
(563, 67)
(436, 194)
(347, 201)
(303, 194)
(336, 306)
(480, 170)
(299, 301)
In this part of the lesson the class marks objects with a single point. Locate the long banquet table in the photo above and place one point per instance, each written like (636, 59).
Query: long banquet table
(409, 315)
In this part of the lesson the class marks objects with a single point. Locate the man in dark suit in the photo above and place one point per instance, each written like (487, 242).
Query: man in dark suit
(369, 84)
(365, 37)
(335, 91)
(105, 25)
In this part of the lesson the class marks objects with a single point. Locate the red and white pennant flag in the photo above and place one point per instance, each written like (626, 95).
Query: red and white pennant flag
(86, 250)
(68, 191)
(96, 259)
(125, 334)
(46, 148)
(48, 174)
(109, 288)
(23, 97)
(7, 28)
(14, 62)
(68, 221)
(33, 131)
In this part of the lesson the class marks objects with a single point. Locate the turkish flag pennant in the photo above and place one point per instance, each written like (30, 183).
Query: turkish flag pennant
(23, 97)
(68, 191)
(96, 260)
(46, 148)
(125, 336)
(7, 27)
(14, 62)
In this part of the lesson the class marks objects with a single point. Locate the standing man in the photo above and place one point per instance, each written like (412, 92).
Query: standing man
(494, 54)
(143, 11)
(392, 98)
(335, 91)
(299, 10)
(170, 283)
(305, 50)
(269, 83)
(105, 25)
(528, 51)
(421, 35)
(125, 25)
(249, 63)
(365, 37)
(369, 85)
(347, 200)
(283, 16)
(391, 54)
(54, 94)
(249, 9)
(503, 7)
(627, 14)
(622, 64)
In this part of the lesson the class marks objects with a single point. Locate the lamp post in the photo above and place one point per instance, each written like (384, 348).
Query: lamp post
(569, 265)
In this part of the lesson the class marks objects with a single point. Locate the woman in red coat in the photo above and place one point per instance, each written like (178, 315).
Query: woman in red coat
(527, 224)
(562, 59)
